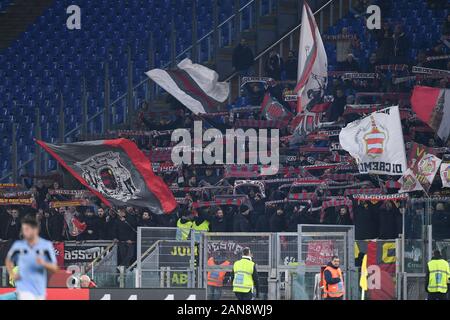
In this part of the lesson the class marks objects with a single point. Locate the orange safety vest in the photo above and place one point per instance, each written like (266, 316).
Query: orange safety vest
(215, 278)
(333, 290)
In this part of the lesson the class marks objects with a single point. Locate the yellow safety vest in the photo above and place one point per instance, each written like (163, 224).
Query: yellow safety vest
(184, 229)
(439, 275)
(243, 275)
(204, 226)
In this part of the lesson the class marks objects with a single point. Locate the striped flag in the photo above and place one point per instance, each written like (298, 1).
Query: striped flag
(312, 63)
(195, 86)
(116, 171)
(432, 106)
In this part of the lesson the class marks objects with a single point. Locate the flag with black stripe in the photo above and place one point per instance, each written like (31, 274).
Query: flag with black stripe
(195, 86)
(116, 171)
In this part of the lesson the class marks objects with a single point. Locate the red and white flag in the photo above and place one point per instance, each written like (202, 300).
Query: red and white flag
(376, 142)
(116, 171)
(195, 86)
(432, 106)
(312, 63)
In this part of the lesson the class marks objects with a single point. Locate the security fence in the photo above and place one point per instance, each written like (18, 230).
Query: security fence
(104, 269)
(289, 264)
(226, 248)
(165, 259)
(317, 244)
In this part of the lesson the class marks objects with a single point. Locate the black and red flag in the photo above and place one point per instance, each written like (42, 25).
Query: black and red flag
(116, 171)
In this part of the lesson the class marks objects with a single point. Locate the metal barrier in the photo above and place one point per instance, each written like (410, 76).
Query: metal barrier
(163, 261)
(317, 244)
(228, 247)
(286, 263)
(104, 269)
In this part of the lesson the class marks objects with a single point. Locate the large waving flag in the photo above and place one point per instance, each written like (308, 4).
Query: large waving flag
(194, 85)
(432, 106)
(116, 171)
(312, 63)
(376, 142)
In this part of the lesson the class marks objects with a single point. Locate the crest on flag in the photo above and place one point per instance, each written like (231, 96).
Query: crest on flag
(107, 174)
(115, 171)
(374, 140)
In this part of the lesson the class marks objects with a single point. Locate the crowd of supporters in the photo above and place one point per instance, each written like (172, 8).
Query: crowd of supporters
(270, 206)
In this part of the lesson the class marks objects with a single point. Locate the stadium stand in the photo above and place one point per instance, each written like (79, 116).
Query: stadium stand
(53, 77)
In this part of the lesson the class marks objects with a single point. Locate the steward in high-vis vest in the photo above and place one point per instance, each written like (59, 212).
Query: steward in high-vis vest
(245, 277)
(216, 278)
(189, 222)
(438, 275)
(184, 225)
(333, 288)
(200, 225)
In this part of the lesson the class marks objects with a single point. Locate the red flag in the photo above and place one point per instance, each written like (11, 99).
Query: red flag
(116, 171)
(271, 109)
(432, 106)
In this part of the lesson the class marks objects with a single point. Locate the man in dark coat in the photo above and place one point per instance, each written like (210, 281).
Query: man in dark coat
(147, 220)
(218, 222)
(274, 66)
(401, 46)
(11, 225)
(337, 108)
(278, 221)
(243, 58)
(241, 221)
(291, 66)
(92, 223)
(126, 234)
(110, 225)
(101, 214)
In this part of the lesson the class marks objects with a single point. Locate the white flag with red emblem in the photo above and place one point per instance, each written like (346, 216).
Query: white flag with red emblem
(312, 63)
(376, 142)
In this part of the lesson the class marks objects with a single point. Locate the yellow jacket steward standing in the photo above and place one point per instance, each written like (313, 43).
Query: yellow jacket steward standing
(184, 229)
(438, 275)
(245, 277)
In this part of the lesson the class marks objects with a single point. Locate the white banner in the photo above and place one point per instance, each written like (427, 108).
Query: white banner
(376, 142)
